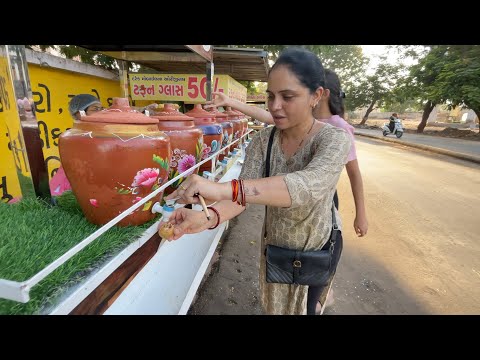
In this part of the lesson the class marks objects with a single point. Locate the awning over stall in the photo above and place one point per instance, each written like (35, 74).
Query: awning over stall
(239, 63)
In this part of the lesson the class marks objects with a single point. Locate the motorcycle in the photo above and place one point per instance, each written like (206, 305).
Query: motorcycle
(397, 129)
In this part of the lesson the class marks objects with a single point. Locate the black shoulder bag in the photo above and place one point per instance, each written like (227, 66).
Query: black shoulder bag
(289, 266)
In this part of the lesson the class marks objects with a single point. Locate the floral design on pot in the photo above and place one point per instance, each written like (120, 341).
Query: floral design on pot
(113, 159)
(148, 178)
(212, 133)
(227, 129)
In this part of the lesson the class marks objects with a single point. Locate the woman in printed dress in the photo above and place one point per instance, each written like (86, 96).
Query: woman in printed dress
(307, 159)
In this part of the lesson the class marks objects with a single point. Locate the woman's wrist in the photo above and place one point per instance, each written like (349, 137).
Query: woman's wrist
(360, 214)
(226, 191)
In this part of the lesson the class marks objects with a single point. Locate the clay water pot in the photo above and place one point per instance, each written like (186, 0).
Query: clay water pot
(227, 128)
(244, 121)
(212, 133)
(113, 159)
(237, 125)
(186, 141)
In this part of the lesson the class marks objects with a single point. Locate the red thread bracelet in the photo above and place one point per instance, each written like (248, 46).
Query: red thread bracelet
(218, 217)
(244, 196)
(239, 202)
(234, 190)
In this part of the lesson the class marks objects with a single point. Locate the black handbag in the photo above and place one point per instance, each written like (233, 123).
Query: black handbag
(289, 266)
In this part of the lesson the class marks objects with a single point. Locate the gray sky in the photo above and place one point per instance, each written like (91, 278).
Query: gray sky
(374, 51)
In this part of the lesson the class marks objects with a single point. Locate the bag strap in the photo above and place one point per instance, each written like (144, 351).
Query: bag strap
(267, 167)
(269, 151)
(333, 236)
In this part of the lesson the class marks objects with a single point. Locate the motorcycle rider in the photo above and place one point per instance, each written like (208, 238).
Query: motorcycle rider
(391, 124)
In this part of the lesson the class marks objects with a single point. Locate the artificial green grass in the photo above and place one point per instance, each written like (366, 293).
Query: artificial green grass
(34, 233)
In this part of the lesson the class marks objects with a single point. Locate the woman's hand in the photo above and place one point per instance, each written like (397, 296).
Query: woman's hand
(152, 107)
(187, 221)
(197, 185)
(218, 99)
(360, 224)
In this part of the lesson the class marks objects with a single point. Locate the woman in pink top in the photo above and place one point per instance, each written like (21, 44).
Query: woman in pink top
(331, 110)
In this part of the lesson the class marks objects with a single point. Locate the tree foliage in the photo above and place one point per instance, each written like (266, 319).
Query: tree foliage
(459, 78)
(375, 90)
(445, 74)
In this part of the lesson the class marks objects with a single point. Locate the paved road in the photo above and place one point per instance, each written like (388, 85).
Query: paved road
(422, 252)
(469, 147)
(421, 255)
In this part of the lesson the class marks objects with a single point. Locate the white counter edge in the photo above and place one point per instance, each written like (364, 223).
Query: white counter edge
(124, 302)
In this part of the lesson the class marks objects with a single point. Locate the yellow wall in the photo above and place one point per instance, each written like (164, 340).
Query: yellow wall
(52, 90)
(9, 185)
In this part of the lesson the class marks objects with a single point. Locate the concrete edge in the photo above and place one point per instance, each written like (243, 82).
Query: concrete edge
(48, 60)
(472, 158)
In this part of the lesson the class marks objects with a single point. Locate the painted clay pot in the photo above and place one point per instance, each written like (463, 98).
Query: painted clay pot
(212, 133)
(186, 141)
(227, 128)
(244, 121)
(237, 125)
(113, 159)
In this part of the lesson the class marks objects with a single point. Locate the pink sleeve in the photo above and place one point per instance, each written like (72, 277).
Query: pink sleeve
(337, 121)
(59, 183)
(352, 155)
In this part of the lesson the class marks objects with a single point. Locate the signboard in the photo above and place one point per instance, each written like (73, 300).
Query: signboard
(256, 97)
(190, 88)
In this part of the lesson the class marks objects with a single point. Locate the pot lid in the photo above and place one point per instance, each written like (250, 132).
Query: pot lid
(218, 114)
(199, 112)
(231, 114)
(119, 113)
(170, 113)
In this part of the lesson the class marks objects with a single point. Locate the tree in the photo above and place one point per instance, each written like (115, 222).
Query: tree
(348, 62)
(459, 78)
(421, 82)
(445, 74)
(372, 91)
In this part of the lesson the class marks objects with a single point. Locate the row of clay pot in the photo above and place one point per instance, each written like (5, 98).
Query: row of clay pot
(116, 157)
